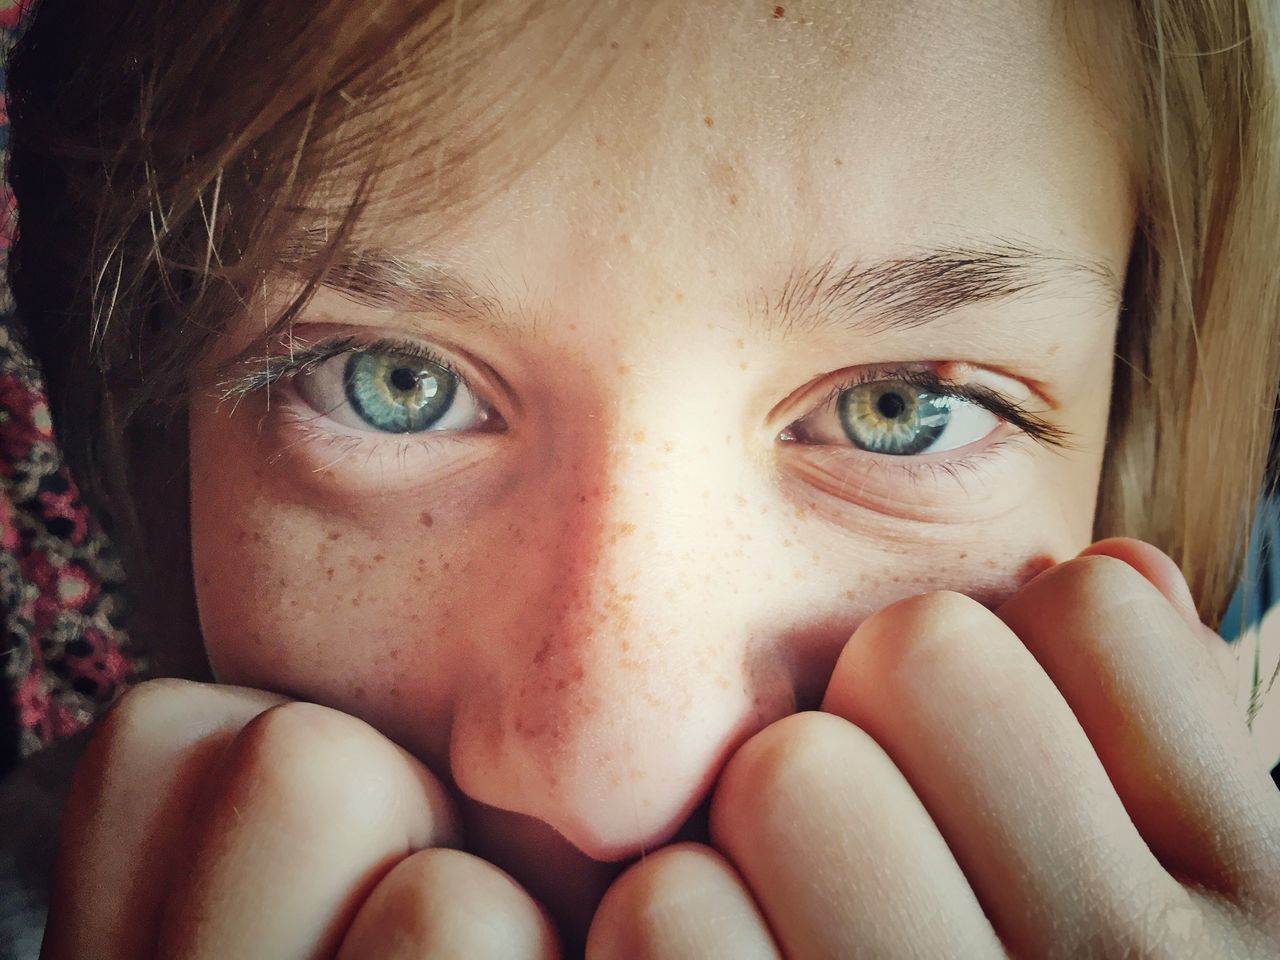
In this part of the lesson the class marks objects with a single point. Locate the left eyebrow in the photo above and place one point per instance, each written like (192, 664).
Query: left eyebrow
(914, 289)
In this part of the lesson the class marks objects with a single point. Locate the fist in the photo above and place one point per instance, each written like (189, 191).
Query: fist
(1066, 776)
(215, 822)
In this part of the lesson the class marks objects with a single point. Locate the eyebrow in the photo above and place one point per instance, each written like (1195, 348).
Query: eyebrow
(921, 287)
(903, 291)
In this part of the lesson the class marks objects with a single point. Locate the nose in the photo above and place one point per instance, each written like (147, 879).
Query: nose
(638, 641)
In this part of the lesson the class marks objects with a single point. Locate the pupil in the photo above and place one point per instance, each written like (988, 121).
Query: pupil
(891, 406)
(403, 379)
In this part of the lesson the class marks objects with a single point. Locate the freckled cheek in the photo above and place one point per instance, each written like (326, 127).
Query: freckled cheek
(363, 610)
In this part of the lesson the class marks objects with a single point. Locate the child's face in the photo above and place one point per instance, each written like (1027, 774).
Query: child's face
(644, 528)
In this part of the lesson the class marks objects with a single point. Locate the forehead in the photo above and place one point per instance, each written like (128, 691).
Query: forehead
(692, 136)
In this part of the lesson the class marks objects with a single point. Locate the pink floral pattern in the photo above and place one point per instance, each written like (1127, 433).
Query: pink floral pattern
(63, 653)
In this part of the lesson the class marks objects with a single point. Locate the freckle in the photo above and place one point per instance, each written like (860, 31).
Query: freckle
(743, 365)
(355, 601)
(426, 519)
(378, 558)
(622, 208)
(396, 693)
(334, 535)
(596, 182)
(679, 297)
(839, 162)
(358, 693)
(544, 652)
(573, 326)
(626, 529)
(257, 536)
(708, 121)
(779, 12)
(722, 681)
(329, 574)
(599, 140)
(393, 654)
(667, 447)
(741, 343)
(626, 646)
(638, 436)
(964, 556)
(613, 44)
(446, 566)
(733, 199)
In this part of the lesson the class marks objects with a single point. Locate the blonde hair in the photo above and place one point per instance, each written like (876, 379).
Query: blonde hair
(1185, 460)
(160, 172)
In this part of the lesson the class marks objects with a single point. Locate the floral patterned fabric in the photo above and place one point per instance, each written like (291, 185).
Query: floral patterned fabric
(63, 653)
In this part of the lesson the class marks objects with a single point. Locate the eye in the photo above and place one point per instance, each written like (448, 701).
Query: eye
(391, 392)
(898, 418)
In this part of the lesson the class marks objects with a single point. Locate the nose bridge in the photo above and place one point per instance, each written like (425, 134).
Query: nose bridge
(648, 519)
(631, 676)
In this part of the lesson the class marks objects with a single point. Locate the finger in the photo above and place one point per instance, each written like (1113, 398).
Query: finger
(837, 850)
(1143, 687)
(445, 904)
(309, 809)
(128, 808)
(685, 902)
(1165, 576)
(1000, 762)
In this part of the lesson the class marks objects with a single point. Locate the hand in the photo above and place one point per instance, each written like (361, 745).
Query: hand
(1065, 777)
(209, 822)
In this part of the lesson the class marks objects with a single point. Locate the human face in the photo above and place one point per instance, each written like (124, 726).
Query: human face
(643, 527)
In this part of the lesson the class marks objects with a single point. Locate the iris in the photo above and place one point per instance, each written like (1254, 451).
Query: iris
(397, 393)
(893, 417)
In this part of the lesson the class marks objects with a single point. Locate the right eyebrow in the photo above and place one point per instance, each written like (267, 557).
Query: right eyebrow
(376, 278)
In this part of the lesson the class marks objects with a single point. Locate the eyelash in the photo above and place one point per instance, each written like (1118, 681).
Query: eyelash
(996, 403)
(302, 357)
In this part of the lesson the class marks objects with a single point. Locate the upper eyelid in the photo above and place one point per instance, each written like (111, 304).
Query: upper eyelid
(252, 371)
(1044, 432)
(249, 373)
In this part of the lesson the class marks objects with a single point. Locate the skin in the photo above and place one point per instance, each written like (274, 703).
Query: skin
(624, 618)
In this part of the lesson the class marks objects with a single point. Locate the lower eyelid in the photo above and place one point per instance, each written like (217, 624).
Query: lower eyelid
(982, 483)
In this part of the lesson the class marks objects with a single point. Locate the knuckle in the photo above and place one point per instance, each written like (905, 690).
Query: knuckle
(441, 897)
(151, 711)
(140, 707)
(898, 646)
(1088, 580)
(313, 762)
(918, 620)
(641, 903)
(783, 762)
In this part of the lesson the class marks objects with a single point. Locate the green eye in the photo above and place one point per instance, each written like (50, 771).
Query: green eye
(893, 417)
(397, 393)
